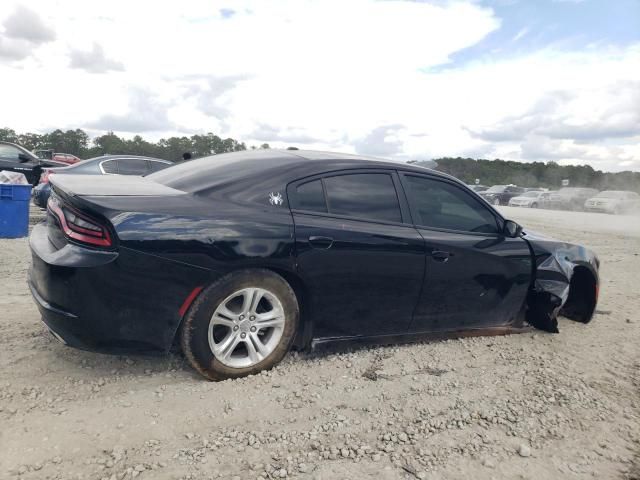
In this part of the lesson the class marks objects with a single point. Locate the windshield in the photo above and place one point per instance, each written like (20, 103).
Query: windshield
(531, 194)
(496, 189)
(611, 194)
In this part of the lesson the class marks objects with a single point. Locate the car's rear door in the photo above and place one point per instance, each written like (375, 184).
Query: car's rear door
(362, 266)
(475, 276)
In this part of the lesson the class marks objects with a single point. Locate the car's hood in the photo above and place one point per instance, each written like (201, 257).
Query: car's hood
(523, 199)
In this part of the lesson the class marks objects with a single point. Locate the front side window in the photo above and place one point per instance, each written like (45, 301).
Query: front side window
(132, 166)
(439, 204)
(363, 195)
(309, 196)
(9, 152)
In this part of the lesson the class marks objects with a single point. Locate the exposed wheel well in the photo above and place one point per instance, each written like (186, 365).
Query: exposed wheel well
(581, 303)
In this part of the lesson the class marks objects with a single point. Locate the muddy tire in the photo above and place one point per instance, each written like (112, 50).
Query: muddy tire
(240, 325)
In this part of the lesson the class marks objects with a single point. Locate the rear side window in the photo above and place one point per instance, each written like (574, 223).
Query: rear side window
(363, 195)
(309, 196)
(442, 205)
(156, 166)
(110, 166)
(132, 166)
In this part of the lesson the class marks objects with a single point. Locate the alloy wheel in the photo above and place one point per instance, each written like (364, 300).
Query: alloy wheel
(246, 327)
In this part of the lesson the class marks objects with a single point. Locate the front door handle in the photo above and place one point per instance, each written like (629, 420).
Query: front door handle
(441, 255)
(321, 242)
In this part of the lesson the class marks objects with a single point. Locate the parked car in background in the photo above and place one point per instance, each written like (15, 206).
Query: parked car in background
(614, 201)
(67, 158)
(536, 189)
(104, 165)
(531, 199)
(478, 188)
(571, 198)
(501, 194)
(16, 158)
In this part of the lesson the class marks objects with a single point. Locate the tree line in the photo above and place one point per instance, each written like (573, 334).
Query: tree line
(536, 174)
(488, 172)
(77, 142)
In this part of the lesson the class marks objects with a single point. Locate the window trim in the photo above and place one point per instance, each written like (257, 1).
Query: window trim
(404, 208)
(466, 190)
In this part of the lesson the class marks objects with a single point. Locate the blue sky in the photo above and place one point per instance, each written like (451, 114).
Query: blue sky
(531, 25)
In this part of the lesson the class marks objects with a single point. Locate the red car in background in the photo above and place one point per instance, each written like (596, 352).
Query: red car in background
(58, 157)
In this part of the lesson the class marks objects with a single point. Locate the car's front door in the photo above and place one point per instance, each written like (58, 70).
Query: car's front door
(361, 265)
(475, 276)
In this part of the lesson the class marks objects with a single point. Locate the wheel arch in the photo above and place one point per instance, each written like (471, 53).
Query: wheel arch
(303, 336)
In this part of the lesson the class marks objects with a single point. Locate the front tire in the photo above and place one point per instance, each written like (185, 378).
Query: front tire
(242, 324)
(534, 205)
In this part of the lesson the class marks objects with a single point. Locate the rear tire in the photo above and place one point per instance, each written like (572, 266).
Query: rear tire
(240, 325)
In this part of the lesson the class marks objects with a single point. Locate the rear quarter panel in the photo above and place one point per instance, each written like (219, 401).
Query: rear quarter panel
(202, 232)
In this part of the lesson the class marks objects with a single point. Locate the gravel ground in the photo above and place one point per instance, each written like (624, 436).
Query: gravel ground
(534, 405)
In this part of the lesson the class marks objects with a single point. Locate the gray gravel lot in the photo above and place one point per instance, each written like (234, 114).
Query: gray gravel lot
(527, 406)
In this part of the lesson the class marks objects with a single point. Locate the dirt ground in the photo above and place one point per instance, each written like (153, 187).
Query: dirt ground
(528, 406)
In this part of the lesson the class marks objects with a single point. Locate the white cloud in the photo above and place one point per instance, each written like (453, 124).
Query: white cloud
(94, 60)
(323, 74)
(22, 32)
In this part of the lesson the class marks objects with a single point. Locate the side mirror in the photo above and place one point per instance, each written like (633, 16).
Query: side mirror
(23, 157)
(511, 229)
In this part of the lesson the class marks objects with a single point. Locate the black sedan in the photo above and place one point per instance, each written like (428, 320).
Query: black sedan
(501, 194)
(103, 165)
(242, 256)
(16, 158)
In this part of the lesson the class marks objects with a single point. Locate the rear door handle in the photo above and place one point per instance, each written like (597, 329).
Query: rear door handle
(441, 255)
(320, 242)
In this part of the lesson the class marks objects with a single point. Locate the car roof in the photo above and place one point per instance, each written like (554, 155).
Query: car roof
(263, 164)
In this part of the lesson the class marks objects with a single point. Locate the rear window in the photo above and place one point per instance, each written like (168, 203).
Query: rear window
(132, 166)
(363, 195)
(157, 166)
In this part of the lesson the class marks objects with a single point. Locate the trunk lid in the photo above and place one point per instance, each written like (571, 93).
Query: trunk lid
(109, 185)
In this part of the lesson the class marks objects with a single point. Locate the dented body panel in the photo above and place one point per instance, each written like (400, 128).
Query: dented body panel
(555, 264)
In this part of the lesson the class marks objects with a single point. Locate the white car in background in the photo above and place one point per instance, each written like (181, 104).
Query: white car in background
(533, 199)
(613, 201)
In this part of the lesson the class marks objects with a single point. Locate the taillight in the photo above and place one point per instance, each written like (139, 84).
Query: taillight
(78, 226)
(44, 178)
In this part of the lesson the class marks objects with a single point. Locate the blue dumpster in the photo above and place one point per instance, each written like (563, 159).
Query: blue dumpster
(14, 210)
